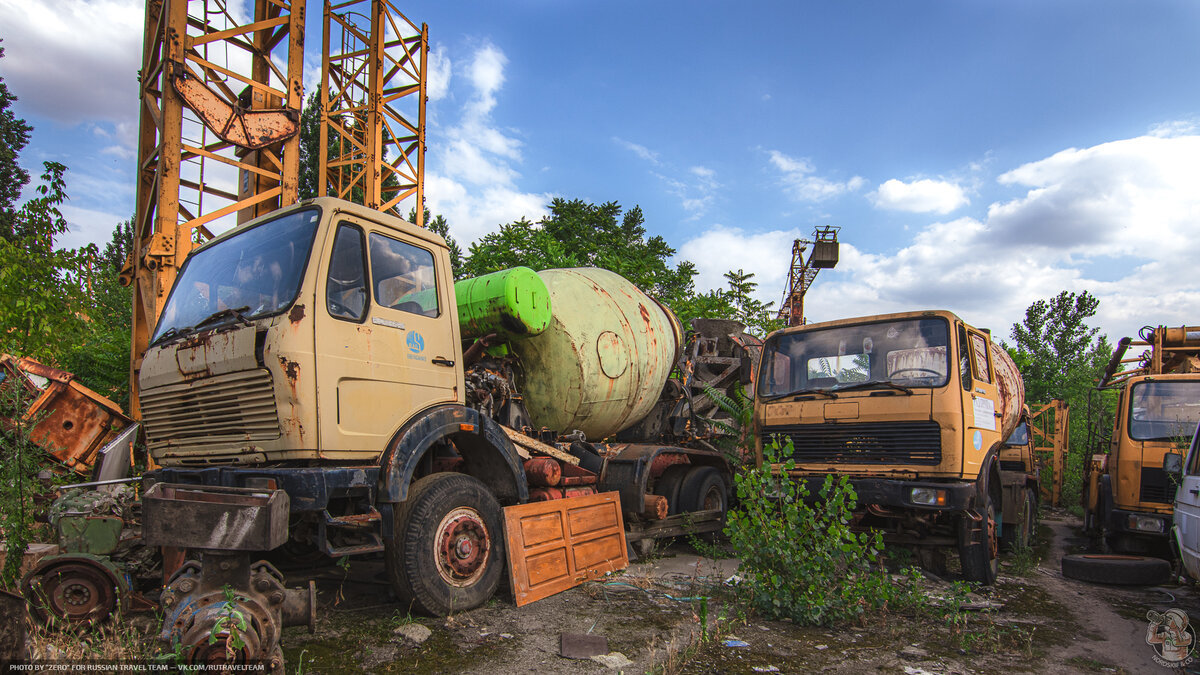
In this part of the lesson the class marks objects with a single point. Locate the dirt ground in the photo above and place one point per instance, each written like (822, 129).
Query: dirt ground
(1032, 620)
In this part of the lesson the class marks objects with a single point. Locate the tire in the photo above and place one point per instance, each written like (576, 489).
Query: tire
(428, 571)
(1020, 534)
(703, 489)
(668, 484)
(1119, 570)
(977, 545)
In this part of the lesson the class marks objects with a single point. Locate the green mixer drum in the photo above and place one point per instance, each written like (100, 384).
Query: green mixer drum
(512, 302)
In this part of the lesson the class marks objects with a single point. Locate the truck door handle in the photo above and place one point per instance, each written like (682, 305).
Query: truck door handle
(439, 361)
(1195, 491)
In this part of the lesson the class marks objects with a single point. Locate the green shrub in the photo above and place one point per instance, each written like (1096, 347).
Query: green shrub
(802, 561)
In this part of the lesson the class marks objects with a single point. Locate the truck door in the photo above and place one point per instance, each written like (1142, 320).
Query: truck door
(980, 402)
(1187, 511)
(387, 335)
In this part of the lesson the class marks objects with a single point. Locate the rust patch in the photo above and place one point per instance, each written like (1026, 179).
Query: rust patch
(290, 368)
(296, 314)
(644, 312)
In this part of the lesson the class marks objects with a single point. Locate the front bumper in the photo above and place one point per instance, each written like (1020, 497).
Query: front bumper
(958, 496)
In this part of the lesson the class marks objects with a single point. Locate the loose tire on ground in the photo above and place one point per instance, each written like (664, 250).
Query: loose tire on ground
(448, 552)
(977, 545)
(1120, 570)
(703, 489)
(668, 484)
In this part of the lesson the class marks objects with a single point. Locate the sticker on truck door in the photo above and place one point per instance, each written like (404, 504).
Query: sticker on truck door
(985, 414)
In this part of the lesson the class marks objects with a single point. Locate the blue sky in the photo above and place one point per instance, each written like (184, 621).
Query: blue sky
(977, 155)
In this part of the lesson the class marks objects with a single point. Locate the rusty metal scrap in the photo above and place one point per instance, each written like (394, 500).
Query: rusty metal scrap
(73, 423)
(250, 129)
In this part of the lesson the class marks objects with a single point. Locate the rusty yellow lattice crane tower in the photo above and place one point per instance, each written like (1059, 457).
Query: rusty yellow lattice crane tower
(1050, 427)
(220, 112)
(803, 272)
(219, 119)
(373, 105)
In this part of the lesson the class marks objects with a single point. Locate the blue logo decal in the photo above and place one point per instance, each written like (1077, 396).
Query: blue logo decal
(978, 440)
(416, 343)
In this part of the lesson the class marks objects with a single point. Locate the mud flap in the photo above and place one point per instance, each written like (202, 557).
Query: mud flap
(558, 544)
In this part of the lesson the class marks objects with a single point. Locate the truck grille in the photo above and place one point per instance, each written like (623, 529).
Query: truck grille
(1156, 486)
(213, 411)
(863, 443)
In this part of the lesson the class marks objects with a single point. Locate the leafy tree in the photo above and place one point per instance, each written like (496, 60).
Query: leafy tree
(1061, 356)
(37, 298)
(754, 313)
(310, 146)
(579, 234)
(14, 135)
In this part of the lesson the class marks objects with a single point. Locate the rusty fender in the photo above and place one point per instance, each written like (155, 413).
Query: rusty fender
(487, 453)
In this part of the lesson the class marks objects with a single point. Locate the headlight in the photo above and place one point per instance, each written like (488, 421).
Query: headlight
(927, 496)
(1146, 524)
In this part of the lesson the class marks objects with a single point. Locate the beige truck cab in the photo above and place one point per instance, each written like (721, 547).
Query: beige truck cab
(913, 408)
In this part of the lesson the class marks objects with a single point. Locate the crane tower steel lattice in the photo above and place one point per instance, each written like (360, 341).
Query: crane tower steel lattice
(803, 272)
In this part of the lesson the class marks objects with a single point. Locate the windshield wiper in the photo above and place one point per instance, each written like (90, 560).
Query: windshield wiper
(235, 312)
(802, 392)
(875, 383)
(170, 333)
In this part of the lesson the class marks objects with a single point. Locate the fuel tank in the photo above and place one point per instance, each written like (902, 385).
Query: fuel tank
(602, 362)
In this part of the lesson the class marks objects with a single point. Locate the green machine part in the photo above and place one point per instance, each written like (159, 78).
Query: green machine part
(512, 303)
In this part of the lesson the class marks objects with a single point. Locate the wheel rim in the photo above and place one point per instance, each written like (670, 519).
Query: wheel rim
(462, 547)
(76, 592)
(714, 498)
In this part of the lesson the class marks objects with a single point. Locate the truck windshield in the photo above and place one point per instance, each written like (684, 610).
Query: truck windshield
(1019, 436)
(910, 353)
(1161, 411)
(253, 273)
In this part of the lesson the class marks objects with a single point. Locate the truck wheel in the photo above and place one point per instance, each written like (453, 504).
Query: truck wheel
(703, 489)
(977, 545)
(1020, 534)
(668, 484)
(448, 552)
(1123, 570)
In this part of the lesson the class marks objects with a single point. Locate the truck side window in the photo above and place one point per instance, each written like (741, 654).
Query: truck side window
(964, 359)
(346, 290)
(979, 350)
(403, 274)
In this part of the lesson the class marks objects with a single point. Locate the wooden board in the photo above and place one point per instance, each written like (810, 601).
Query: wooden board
(558, 544)
(526, 443)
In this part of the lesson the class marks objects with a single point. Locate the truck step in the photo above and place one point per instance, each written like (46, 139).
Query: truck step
(367, 524)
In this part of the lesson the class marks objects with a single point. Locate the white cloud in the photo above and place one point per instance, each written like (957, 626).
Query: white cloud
(87, 226)
(919, 196)
(801, 182)
(640, 150)
(74, 61)
(437, 73)
(475, 183)
(1083, 209)
(721, 249)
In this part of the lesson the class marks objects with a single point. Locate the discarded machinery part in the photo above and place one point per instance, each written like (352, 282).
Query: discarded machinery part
(75, 423)
(115, 460)
(101, 483)
(543, 494)
(1012, 390)
(513, 303)
(13, 628)
(203, 599)
(586, 458)
(76, 588)
(533, 445)
(250, 129)
(667, 485)
(543, 471)
(188, 516)
(1120, 570)
(604, 358)
(656, 507)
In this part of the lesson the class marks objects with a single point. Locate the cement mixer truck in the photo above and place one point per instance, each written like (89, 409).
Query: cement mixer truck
(915, 409)
(318, 381)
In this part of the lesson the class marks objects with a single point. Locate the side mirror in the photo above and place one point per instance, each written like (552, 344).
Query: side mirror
(1172, 463)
